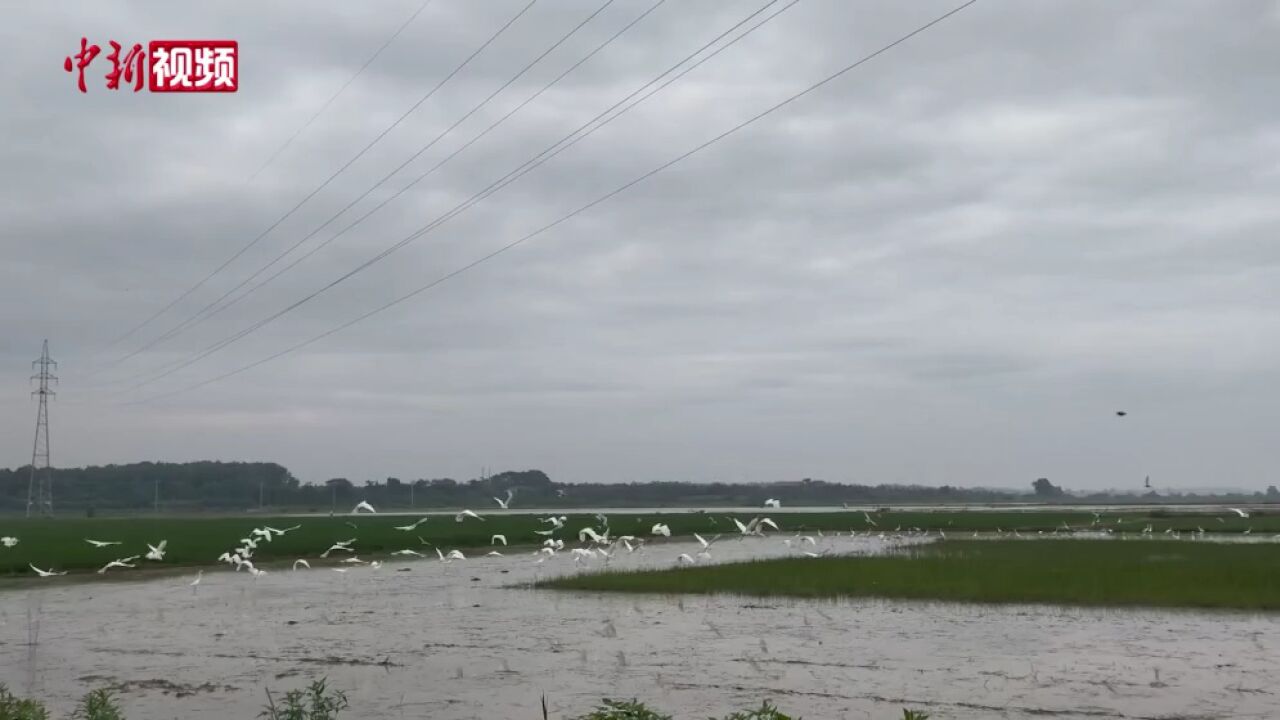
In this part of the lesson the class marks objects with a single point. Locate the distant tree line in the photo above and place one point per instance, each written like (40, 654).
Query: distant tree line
(197, 486)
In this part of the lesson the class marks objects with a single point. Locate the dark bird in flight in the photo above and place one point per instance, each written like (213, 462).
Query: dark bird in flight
(1148, 481)
(1121, 413)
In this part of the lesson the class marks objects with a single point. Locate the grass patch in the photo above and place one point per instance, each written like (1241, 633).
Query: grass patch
(197, 541)
(1062, 572)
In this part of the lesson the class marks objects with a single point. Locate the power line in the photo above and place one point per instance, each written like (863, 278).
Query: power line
(204, 313)
(437, 166)
(564, 218)
(345, 85)
(521, 170)
(328, 180)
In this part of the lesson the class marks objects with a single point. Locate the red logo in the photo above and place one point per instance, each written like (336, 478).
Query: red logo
(194, 65)
(168, 65)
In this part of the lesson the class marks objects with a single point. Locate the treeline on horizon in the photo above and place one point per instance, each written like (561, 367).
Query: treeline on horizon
(209, 485)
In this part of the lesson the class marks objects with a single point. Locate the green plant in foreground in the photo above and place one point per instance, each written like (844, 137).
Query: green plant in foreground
(98, 705)
(914, 715)
(317, 702)
(767, 711)
(14, 708)
(623, 710)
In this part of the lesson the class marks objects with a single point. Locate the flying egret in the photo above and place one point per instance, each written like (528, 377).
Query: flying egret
(408, 528)
(301, 562)
(1239, 512)
(494, 553)
(280, 533)
(467, 514)
(362, 505)
(496, 538)
(336, 546)
(45, 573)
(504, 503)
(156, 552)
(867, 517)
(8, 541)
(587, 532)
(375, 565)
(263, 533)
(770, 523)
(115, 563)
(771, 503)
(102, 543)
(407, 551)
(353, 560)
(684, 557)
(456, 555)
(661, 529)
(339, 570)
(544, 532)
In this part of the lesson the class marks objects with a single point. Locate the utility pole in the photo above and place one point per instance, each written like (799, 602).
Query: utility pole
(413, 484)
(40, 485)
(157, 495)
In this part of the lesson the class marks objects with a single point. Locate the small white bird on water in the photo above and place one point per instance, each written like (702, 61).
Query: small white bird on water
(102, 543)
(408, 528)
(362, 505)
(684, 557)
(199, 575)
(504, 503)
(301, 562)
(156, 552)
(496, 538)
(45, 573)
(467, 514)
(456, 555)
(772, 503)
(660, 529)
(8, 541)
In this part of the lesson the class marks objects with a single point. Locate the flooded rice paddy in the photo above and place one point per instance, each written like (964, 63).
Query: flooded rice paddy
(432, 640)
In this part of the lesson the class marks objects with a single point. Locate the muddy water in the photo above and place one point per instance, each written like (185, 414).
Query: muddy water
(447, 641)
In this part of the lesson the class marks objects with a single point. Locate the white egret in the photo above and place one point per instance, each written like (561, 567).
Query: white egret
(544, 532)
(661, 529)
(45, 573)
(353, 560)
(867, 517)
(496, 538)
(684, 557)
(587, 532)
(301, 562)
(467, 514)
(494, 553)
(556, 522)
(362, 505)
(771, 503)
(456, 555)
(1239, 512)
(263, 533)
(339, 570)
(199, 576)
(8, 541)
(102, 543)
(156, 552)
(504, 503)
(407, 551)
(114, 564)
(409, 528)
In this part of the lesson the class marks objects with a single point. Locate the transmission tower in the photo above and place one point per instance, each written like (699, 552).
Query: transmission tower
(40, 487)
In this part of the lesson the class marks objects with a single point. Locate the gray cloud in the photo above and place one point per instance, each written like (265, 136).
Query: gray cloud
(949, 266)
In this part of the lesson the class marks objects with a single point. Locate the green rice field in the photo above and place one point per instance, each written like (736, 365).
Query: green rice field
(197, 541)
(1132, 572)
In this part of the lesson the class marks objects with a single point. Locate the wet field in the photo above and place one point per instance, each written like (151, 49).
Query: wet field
(454, 640)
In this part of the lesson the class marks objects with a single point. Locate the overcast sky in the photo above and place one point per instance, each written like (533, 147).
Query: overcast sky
(952, 265)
